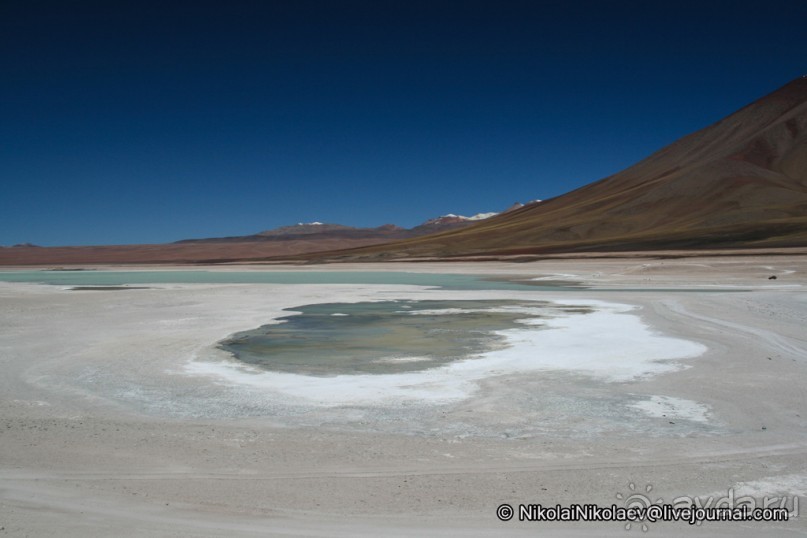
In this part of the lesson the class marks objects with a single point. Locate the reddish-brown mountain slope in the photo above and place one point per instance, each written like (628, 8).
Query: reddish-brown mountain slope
(741, 182)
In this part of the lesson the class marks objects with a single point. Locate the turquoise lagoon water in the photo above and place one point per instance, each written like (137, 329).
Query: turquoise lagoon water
(121, 278)
(91, 278)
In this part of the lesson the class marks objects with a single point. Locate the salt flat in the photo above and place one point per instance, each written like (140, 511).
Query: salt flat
(120, 416)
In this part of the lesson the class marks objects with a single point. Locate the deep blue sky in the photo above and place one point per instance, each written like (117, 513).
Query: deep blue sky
(152, 121)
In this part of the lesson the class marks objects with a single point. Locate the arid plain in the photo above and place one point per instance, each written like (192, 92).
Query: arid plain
(113, 422)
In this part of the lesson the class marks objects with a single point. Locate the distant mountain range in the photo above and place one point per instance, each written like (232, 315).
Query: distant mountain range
(387, 232)
(285, 241)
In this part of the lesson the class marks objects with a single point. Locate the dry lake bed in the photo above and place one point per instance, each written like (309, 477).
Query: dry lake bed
(401, 399)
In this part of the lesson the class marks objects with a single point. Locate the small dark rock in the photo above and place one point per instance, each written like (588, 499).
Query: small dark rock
(772, 277)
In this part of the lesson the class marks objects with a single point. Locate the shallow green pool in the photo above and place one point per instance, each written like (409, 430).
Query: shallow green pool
(382, 337)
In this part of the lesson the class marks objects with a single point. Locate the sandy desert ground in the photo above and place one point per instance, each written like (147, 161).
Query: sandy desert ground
(116, 418)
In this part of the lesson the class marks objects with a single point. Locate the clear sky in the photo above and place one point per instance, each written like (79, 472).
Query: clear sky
(152, 121)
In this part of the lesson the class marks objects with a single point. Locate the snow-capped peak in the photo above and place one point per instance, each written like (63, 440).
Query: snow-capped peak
(309, 224)
(482, 216)
(451, 218)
